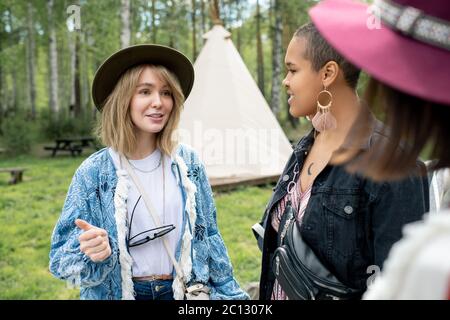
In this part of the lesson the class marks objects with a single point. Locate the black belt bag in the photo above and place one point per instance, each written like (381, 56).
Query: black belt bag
(299, 271)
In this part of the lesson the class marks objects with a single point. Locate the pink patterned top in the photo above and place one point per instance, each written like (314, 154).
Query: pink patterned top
(299, 201)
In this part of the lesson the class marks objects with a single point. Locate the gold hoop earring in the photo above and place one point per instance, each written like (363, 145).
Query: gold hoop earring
(324, 119)
(328, 106)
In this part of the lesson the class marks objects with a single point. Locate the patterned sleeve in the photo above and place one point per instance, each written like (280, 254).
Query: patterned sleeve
(67, 262)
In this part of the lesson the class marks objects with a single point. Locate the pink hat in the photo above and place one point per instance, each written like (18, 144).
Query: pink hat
(403, 43)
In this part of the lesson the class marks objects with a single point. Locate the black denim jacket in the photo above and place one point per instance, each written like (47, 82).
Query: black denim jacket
(350, 222)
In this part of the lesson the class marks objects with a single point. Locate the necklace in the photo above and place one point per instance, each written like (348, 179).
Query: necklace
(147, 171)
(163, 206)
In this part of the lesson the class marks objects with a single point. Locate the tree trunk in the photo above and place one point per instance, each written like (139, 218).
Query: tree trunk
(12, 41)
(259, 50)
(288, 30)
(31, 62)
(276, 58)
(194, 33)
(75, 101)
(239, 17)
(215, 12)
(2, 91)
(154, 21)
(125, 34)
(171, 17)
(271, 10)
(53, 61)
(86, 100)
(225, 14)
(77, 85)
(202, 8)
(72, 51)
(3, 83)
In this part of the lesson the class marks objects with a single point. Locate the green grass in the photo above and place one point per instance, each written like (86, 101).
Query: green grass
(237, 211)
(29, 211)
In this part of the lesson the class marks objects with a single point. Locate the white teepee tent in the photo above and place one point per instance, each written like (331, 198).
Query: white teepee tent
(227, 120)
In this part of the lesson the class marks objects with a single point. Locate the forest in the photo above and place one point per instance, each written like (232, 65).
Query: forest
(50, 50)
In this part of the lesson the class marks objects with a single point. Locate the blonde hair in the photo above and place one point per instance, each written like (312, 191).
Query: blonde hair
(115, 128)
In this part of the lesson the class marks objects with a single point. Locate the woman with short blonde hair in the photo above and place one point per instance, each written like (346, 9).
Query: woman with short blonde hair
(137, 224)
(115, 128)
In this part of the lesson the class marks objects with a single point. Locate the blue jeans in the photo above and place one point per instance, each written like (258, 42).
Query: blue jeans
(153, 290)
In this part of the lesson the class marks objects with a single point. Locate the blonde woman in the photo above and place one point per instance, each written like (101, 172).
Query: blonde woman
(139, 220)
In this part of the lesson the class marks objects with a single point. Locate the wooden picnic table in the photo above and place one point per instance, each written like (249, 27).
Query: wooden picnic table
(16, 174)
(74, 145)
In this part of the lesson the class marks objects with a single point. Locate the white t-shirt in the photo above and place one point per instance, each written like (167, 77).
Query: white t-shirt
(151, 258)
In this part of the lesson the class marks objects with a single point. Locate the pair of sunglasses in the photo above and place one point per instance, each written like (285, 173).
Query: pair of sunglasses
(151, 234)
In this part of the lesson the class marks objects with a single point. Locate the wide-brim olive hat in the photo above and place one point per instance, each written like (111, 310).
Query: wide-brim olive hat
(111, 70)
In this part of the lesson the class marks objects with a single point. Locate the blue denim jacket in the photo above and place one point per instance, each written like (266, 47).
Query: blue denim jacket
(350, 222)
(92, 197)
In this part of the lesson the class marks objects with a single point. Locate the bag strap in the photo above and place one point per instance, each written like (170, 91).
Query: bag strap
(152, 211)
(287, 217)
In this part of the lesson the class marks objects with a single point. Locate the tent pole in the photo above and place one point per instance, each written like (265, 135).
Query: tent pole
(215, 12)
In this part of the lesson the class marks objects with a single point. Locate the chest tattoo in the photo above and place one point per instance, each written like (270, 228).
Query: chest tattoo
(309, 168)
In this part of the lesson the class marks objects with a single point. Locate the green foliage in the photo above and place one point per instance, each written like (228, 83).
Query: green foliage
(63, 125)
(237, 211)
(18, 134)
(99, 36)
(28, 213)
(362, 83)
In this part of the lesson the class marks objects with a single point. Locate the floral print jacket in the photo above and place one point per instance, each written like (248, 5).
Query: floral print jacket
(98, 194)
